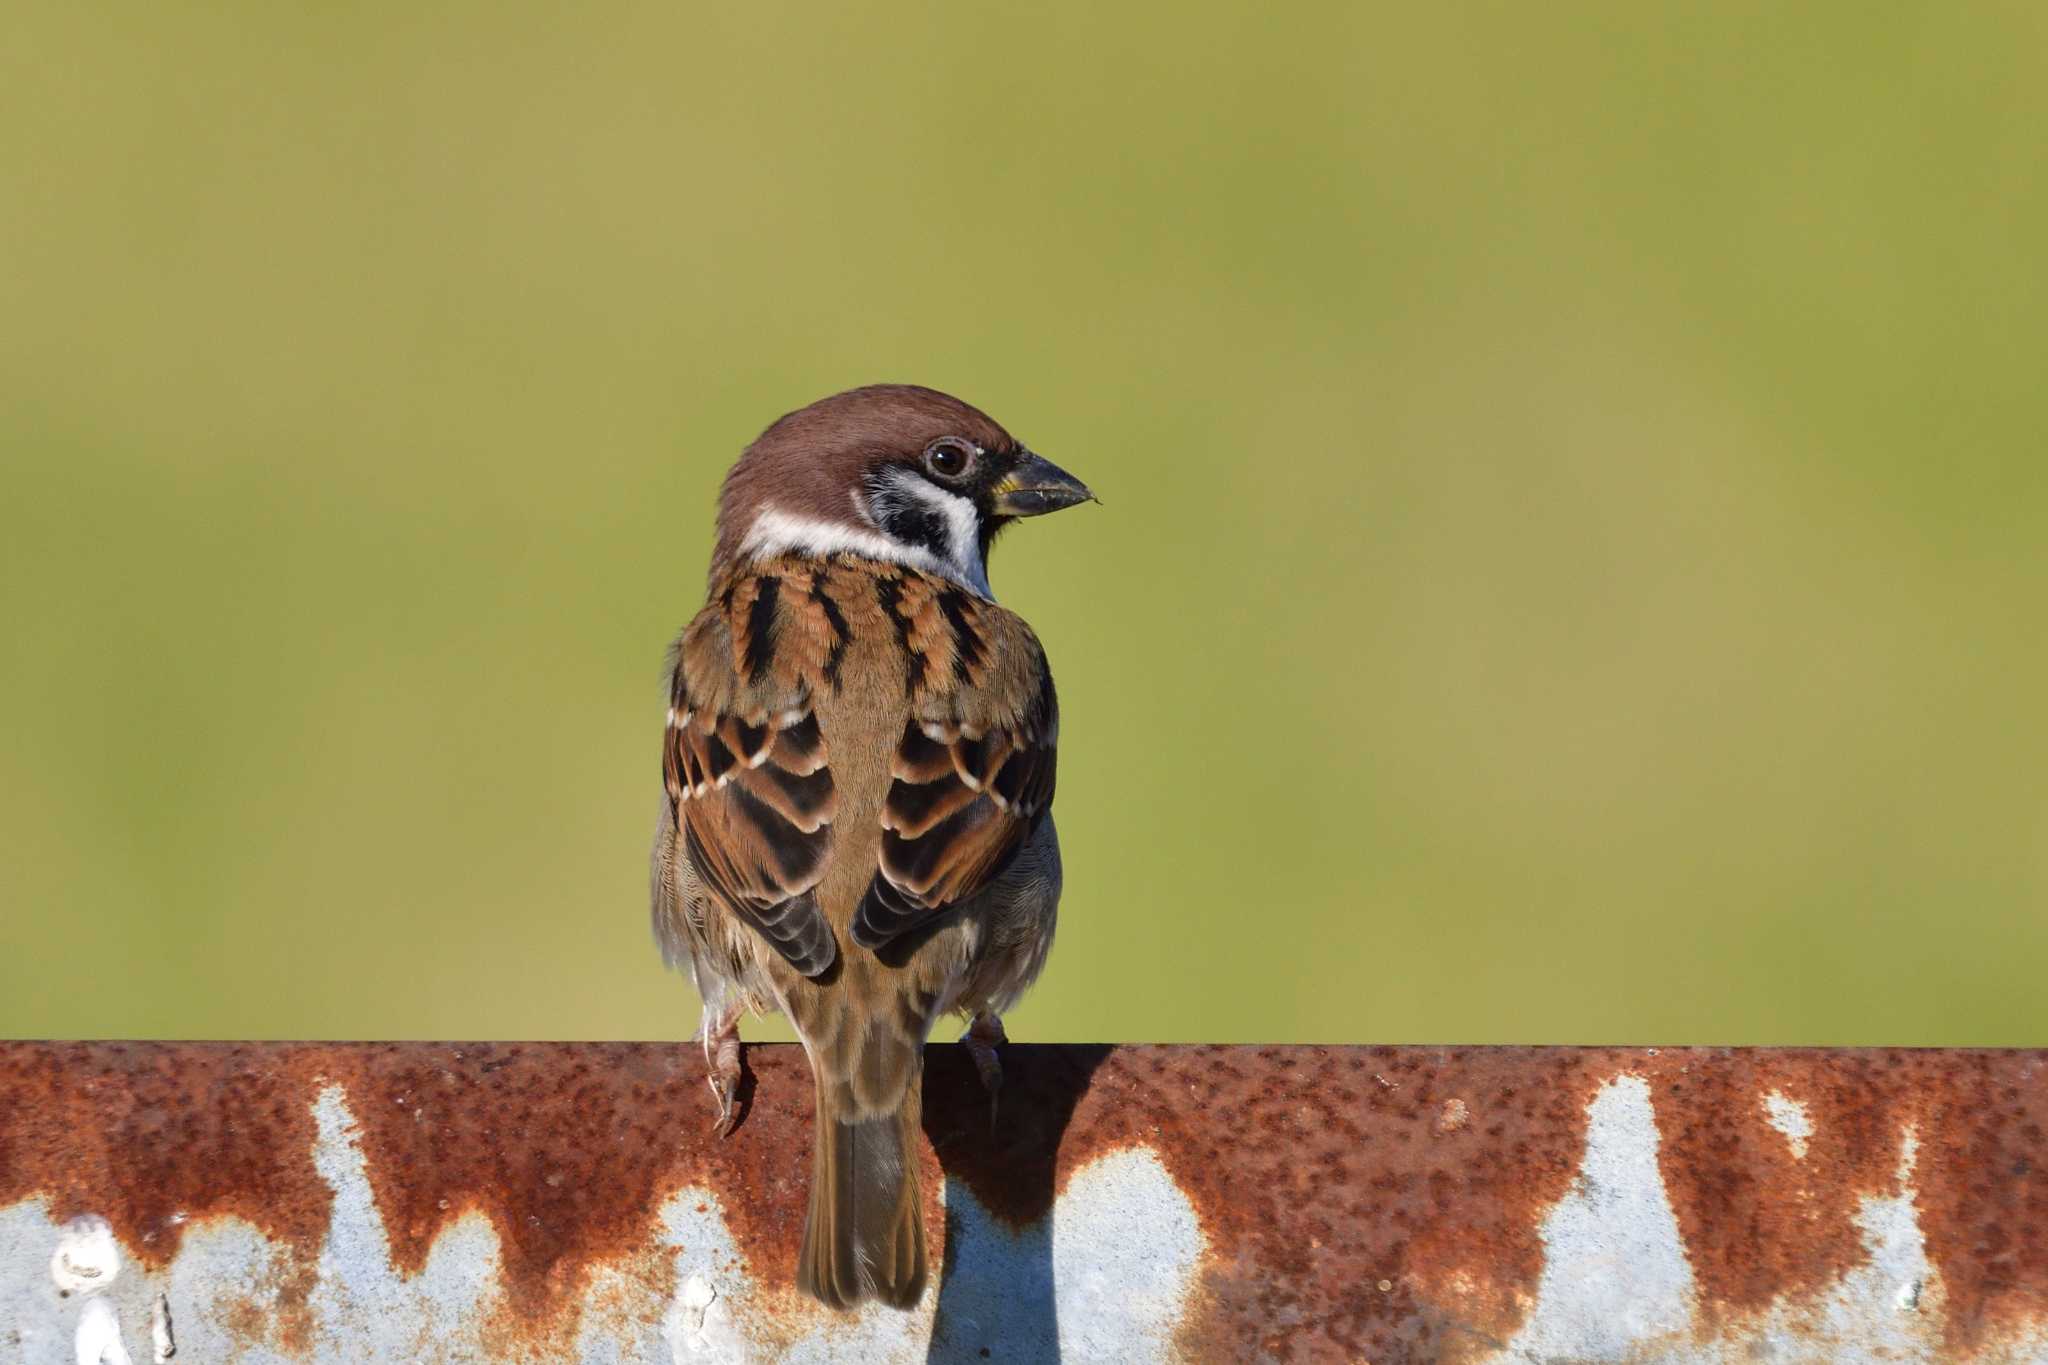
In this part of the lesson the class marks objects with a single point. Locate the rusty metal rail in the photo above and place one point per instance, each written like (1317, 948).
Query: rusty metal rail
(429, 1202)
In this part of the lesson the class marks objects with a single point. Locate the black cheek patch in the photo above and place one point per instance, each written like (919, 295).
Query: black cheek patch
(916, 523)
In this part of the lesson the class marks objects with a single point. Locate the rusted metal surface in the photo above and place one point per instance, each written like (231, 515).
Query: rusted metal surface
(273, 1202)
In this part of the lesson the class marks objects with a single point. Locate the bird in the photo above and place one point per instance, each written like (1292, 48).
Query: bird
(858, 768)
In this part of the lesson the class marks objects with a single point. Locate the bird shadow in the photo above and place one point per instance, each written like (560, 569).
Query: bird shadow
(996, 1291)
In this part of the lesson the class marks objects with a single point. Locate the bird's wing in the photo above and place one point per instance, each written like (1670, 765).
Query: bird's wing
(973, 772)
(745, 768)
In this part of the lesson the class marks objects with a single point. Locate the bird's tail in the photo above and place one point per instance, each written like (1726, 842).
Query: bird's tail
(864, 1238)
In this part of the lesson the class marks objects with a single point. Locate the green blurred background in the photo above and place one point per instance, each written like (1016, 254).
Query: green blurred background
(1572, 565)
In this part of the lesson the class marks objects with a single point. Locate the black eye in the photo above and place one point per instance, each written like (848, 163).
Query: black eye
(948, 458)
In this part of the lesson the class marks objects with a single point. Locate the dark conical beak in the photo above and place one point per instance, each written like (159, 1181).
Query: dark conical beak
(1037, 486)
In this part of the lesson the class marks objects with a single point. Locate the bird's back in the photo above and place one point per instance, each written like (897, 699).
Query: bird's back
(878, 656)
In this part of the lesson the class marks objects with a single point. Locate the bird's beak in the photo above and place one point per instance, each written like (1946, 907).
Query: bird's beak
(1037, 486)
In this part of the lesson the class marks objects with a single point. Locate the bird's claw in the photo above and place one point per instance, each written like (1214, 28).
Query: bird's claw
(721, 1039)
(723, 1090)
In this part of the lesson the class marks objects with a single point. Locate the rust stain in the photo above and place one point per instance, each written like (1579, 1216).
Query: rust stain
(1382, 1204)
(278, 1313)
(1761, 1224)
(1758, 1222)
(1982, 1187)
(1316, 1173)
(1386, 1203)
(154, 1137)
(570, 1151)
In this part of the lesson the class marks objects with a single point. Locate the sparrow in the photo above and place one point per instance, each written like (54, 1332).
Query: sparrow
(858, 764)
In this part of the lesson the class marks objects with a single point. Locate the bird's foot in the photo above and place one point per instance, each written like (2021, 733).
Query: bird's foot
(981, 1040)
(721, 1038)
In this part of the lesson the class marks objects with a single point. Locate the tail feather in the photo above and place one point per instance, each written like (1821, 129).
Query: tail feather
(864, 1236)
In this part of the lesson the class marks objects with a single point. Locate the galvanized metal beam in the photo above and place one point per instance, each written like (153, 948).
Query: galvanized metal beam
(497, 1201)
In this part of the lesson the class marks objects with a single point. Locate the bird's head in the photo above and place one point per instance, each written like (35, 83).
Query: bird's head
(893, 472)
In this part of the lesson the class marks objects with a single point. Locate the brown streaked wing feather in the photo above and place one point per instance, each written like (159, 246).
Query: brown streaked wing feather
(746, 772)
(974, 771)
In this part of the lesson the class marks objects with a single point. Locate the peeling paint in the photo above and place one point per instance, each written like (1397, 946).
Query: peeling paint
(1789, 1117)
(86, 1259)
(1616, 1284)
(98, 1341)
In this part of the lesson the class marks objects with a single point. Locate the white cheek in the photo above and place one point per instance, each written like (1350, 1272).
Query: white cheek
(963, 532)
(776, 532)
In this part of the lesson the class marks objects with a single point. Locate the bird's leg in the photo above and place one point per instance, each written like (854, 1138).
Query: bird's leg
(720, 1035)
(981, 1040)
